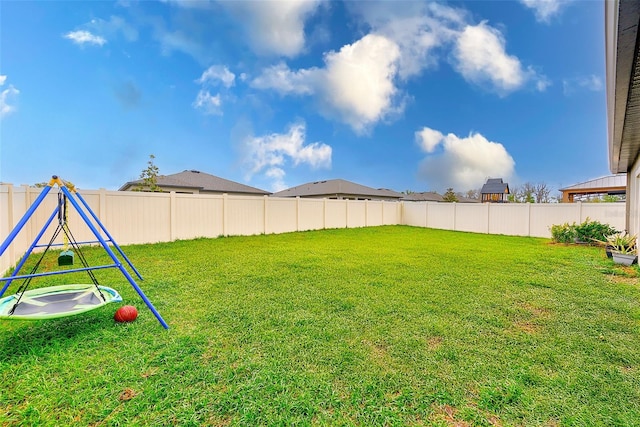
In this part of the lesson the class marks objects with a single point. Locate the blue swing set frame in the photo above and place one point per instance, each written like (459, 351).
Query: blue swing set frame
(83, 209)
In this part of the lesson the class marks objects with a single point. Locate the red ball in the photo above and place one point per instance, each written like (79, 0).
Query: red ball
(126, 313)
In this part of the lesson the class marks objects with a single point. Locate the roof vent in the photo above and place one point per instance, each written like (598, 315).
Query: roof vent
(194, 171)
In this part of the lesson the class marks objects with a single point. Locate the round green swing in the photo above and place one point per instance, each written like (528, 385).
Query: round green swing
(56, 301)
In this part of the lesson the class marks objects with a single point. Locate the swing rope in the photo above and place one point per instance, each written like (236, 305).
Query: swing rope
(68, 238)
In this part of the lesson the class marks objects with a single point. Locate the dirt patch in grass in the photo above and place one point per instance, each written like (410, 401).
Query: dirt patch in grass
(434, 343)
(447, 413)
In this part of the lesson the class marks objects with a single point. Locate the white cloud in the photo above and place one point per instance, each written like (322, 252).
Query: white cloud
(356, 86)
(212, 76)
(217, 73)
(591, 83)
(428, 139)
(208, 103)
(274, 27)
(481, 58)
(545, 9)
(287, 82)
(268, 154)
(463, 163)
(114, 26)
(82, 38)
(5, 95)
(418, 28)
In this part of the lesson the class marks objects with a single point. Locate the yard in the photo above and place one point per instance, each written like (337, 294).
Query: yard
(389, 325)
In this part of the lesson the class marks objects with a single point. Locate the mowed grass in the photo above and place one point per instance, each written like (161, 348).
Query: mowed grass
(366, 327)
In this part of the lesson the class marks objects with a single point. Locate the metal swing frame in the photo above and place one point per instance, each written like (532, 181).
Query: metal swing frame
(83, 209)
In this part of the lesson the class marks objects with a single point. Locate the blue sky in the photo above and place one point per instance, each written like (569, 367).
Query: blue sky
(418, 96)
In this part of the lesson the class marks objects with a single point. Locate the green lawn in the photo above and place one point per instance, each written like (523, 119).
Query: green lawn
(367, 327)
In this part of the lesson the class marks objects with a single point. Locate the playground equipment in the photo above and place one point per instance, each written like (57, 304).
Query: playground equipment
(65, 300)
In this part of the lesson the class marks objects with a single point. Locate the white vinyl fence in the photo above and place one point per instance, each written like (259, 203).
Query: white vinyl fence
(138, 217)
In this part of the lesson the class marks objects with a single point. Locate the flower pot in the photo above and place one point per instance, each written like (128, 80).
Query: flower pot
(624, 259)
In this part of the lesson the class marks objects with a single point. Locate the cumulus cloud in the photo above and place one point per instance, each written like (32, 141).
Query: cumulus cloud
(285, 81)
(269, 154)
(461, 163)
(418, 28)
(207, 103)
(215, 74)
(5, 96)
(356, 85)
(274, 27)
(481, 58)
(544, 10)
(591, 83)
(82, 37)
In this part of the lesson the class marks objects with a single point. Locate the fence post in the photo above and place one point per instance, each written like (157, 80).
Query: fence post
(224, 214)
(324, 213)
(297, 213)
(172, 216)
(102, 207)
(265, 213)
(12, 252)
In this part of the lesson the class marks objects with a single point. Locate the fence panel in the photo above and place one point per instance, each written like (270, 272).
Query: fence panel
(335, 213)
(391, 213)
(356, 213)
(509, 218)
(441, 215)
(197, 216)
(414, 213)
(310, 214)
(473, 217)
(244, 215)
(374, 213)
(282, 215)
(138, 217)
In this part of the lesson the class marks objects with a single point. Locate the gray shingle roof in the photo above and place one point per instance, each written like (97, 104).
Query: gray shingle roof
(494, 186)
(426, 196)
(200, 181)
(337, 188)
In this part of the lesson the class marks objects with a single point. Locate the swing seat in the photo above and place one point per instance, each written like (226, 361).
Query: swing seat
(65, 258)
(57, 301)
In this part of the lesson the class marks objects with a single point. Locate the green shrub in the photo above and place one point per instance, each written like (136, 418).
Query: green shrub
(564, 233)
(592, 231)
(587, 232)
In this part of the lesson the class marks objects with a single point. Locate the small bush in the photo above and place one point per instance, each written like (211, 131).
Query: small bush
(587, 232)
(564, 233)
(593, 231)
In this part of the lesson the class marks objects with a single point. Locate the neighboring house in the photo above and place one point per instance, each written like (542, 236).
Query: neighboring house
(196, 182)
(339, 189)
(494, 190)
(622, 64)
(432, 196)
(612, 185)
(426, 196)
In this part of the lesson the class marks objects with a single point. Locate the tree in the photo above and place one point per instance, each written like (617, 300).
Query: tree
(149, 177)
(450, 196)
(541, 193)
(473, 194)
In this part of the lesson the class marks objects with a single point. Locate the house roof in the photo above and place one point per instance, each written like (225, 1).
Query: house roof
(200, 181)
(494, 186)
(618, 180)
(622, 60)
(425, 196)
(336, 187)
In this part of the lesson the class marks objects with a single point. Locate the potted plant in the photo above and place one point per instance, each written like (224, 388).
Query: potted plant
(623, 248)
